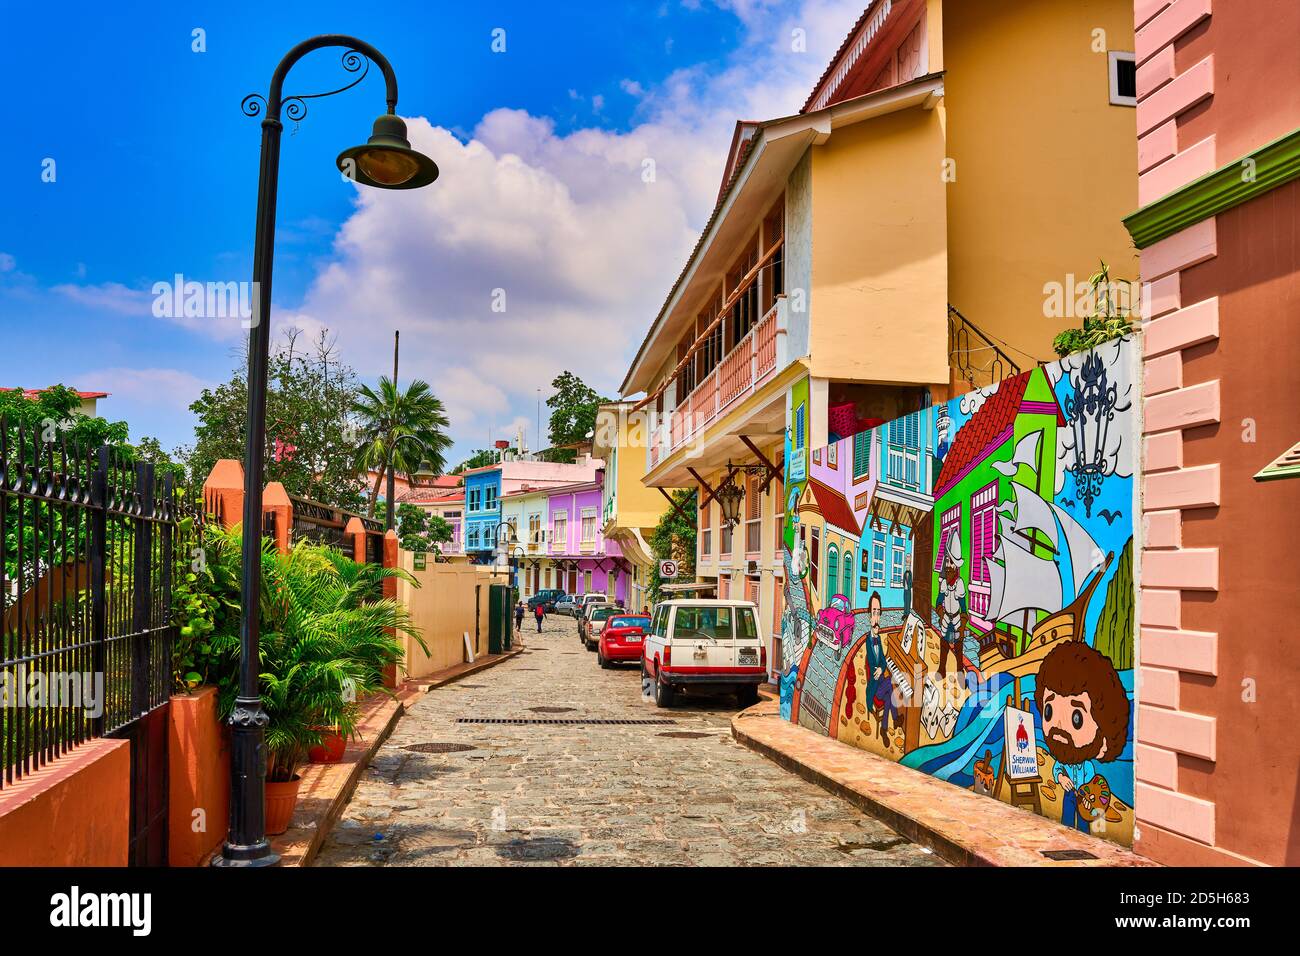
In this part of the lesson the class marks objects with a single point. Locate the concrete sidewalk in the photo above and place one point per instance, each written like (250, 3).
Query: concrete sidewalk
(963, 827)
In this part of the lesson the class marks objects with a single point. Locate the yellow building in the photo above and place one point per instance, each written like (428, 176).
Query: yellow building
(630, 508)
(894, 243)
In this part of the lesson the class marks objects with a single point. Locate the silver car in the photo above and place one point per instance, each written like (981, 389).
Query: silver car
(568, 606)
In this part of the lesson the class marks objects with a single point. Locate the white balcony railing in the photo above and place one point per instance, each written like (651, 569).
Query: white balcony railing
(755, 359)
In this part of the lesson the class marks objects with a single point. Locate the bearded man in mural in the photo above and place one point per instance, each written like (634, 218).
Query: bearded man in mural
(951, 607)
(1085, 715)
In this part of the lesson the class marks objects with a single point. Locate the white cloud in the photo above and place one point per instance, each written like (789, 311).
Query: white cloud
(108, 296)
(7, 262)
(173, 389)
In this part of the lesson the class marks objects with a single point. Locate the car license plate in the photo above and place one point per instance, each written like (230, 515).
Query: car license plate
(749, 659)
(633, 638)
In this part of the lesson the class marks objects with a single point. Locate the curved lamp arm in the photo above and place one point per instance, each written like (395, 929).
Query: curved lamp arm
(275, 96)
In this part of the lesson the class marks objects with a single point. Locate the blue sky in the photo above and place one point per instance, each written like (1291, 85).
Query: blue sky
(541, 195)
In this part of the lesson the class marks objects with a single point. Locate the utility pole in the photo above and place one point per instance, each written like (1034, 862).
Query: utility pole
(391, 506)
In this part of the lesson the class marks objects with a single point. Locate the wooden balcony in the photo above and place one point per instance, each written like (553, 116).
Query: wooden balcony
(755, 359)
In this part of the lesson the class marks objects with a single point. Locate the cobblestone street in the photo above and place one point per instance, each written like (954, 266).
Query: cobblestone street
(679, 793)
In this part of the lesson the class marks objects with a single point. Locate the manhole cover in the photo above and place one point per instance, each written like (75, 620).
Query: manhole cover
(685, 735)
(552, 710)
(439, 748)
(538, 849)
(1063, 856)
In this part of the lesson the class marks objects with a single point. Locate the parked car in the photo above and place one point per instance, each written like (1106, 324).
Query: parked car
(705, 643)
(547, 597)
(596, 617)
(585, 601)
(568, 606)
(621, 639)
(584, 616)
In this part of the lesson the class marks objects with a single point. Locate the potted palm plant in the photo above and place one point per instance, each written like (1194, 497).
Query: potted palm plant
(326, 636)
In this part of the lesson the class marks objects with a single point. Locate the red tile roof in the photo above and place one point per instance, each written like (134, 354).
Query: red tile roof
(975, 438)
(36, 392)
(834, 507)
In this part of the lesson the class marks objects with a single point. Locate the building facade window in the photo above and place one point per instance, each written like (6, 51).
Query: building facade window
(489, 498)
(949, 525)
(475, 499)
(848, 575)
(560, 533)
(878, 559)
(588, 526)
(706, 529)
(753, 518)
(904, 453)
(815, 555)
(832, 568)
(862, 455)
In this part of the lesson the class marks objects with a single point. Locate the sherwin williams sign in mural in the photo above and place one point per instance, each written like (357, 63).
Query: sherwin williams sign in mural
(960, 591)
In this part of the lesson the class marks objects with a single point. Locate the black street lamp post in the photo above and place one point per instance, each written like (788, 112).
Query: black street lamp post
(385, 161)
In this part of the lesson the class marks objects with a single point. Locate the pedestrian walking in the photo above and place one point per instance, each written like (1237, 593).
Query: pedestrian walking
(519, 616)
(539, 612)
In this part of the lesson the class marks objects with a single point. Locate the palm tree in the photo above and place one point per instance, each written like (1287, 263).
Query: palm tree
(388, 419)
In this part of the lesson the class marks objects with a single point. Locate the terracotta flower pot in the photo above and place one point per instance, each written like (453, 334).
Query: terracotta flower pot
(281, 798)
(331, 747)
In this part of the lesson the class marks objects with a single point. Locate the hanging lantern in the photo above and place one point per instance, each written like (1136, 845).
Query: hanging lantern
(729, 497)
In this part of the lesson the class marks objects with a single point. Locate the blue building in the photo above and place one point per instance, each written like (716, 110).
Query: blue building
(482, 512)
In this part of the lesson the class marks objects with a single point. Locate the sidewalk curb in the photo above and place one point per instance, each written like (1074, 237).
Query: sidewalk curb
(914, 804)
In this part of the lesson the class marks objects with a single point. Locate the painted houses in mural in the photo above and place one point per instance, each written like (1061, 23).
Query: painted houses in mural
(959, 591)
(629, 509)
(877, 253)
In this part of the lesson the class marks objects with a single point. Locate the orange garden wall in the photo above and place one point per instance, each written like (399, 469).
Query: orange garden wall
(74, 812)
(198, 754)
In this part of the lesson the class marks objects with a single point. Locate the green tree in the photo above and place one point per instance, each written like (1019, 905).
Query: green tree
(1114, 636)
(573, 413)
(418, 530)
(308, 428)
(674, 537)
(399, 430)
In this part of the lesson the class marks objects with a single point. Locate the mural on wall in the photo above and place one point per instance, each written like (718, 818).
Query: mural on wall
(959, 591)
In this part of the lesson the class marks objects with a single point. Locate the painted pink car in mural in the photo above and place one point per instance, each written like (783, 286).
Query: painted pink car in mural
(835, 622)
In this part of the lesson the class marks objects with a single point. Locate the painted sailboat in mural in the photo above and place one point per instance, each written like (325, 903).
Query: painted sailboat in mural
(1043, 571)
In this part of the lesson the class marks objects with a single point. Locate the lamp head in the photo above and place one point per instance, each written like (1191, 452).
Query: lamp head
(387, 161)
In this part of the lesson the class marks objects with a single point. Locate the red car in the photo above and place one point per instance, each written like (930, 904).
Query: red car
(621, 639)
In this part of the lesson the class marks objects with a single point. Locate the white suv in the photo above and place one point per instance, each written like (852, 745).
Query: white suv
(714, 643)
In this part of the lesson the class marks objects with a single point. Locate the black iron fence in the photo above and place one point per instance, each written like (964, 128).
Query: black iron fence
(92, 542)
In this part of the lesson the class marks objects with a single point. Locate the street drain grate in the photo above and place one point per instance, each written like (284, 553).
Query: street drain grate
(1063, 856)
(564, 721)
(552, 710)
(439, 748)
(539, 849)
(685, 735)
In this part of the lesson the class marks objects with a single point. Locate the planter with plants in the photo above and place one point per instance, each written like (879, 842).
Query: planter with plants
(327, 635)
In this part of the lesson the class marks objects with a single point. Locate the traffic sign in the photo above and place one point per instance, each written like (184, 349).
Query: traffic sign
(668, 570)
